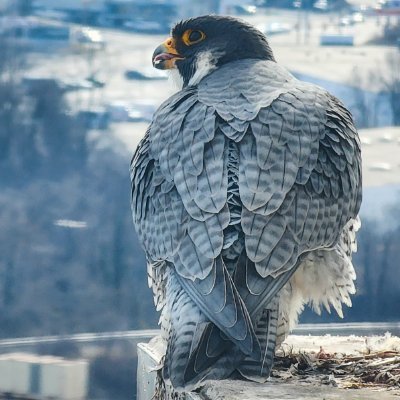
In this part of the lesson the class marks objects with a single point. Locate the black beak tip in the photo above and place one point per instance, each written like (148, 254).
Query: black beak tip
(157, 61)
(159, 64)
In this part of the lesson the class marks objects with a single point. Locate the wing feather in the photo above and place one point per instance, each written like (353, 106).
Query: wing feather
(313, 161)
(179, 203)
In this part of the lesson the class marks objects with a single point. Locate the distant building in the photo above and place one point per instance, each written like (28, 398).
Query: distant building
(388, 7)
(65, 5)
(129, 12)
(80, 11)
(186, 9)
(226, 7)
(16, 7)
(31, 376)
(91, 10)
(3, 6)
(154, 16)
(29, 32)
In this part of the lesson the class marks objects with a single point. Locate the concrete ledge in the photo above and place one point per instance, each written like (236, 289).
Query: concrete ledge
(316, 367)
(276, 390)
(146, 375)
(149, 358)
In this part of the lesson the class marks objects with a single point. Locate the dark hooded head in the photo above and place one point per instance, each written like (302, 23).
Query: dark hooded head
(199, 45)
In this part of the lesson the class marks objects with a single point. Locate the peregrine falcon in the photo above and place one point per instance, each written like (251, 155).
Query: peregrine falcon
(245, 196)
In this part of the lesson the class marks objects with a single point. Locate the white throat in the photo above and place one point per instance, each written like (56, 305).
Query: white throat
(175, 78)
(205, 63)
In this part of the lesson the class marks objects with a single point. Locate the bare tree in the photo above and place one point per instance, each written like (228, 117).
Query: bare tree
(385, 82)
(365, 105)
(390, 81)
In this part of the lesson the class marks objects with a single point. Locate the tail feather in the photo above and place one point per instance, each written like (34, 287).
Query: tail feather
(217, 297)
(187, 362)
(186, 325)
(212, 362)
(198, 349)
(266, 330)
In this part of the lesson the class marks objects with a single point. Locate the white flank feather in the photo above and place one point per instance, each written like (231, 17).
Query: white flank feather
(324, 278)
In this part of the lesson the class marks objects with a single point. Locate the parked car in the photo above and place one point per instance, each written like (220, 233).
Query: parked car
(275, 28)
(336, 40)
(94, 118)
(39, 84)
(79, 84)
(122, 111)
(321, 5)
(88, 37)
(146, 74)
(146, 26)
(246, 9)
(351, 19)
(97, 83)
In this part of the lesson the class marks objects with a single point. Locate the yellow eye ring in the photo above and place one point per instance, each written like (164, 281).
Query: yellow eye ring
(191, 37)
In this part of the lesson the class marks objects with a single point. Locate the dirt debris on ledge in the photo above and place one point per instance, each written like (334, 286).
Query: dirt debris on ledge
(322, 368)
(350, 362)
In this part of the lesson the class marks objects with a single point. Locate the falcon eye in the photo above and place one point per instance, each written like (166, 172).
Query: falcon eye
(195, 36)
(192, 37)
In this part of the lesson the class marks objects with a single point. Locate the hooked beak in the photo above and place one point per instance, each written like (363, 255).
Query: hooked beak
(165, 55)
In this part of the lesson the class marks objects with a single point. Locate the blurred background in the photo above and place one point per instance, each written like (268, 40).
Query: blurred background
(77, 92)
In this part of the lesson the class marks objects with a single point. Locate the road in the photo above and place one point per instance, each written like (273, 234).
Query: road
(339, 329)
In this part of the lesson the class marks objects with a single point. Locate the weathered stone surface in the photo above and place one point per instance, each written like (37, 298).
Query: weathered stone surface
(315, 367)
(276, 390)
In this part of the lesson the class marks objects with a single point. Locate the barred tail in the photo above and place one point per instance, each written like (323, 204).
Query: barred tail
(266, 330)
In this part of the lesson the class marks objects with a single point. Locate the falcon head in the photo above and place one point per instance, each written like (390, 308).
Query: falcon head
(200, 45)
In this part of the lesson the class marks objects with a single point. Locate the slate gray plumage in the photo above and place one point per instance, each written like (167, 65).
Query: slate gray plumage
(239, 182)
